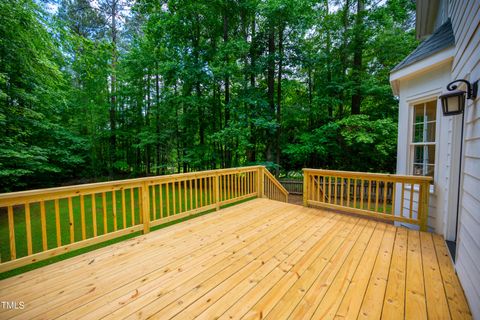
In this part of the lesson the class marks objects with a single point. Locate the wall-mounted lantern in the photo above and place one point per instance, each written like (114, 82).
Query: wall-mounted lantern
(454, 102)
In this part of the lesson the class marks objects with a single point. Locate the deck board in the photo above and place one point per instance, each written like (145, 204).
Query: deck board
(260, 259)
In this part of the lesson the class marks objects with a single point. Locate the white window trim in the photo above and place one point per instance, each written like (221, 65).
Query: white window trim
(411, 123)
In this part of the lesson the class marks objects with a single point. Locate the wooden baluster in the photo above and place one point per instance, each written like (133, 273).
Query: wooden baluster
(196, 192)
(82, 217)
(114, 206)
(94, 214)
(385, 196)
(201, 192)
(160, 200)
(412, 194)
(370, 190)
(104, 207)
(324, 178)
(377, 192)
(154, 203)
(317, 185)
(237, 185)
(174, 200)
(70, 218)
(132, 205)
(11, 229)
(362, 191)
(348, 192)
(394, 186)
(336, 188)
(402, 199)
(145, 214)
(179, 185)
(210, 191)
(124, 209)
(191, 193)
(217, 192)
(28, 226)
(341, 190)
(185, 198)
(44, 226)
(57, 224)
(167, 196)
(355, 192)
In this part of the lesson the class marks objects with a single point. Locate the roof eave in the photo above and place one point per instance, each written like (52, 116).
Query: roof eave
(420, 67)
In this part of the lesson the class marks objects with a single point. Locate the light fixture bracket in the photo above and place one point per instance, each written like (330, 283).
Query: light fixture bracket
(471, 88)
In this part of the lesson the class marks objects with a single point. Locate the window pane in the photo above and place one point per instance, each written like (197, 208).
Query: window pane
(430, 132)
(418, 170)
(424, 160)
(429, 154)
(418, 154)
(418, 132)
(419, 112)
(431, 111)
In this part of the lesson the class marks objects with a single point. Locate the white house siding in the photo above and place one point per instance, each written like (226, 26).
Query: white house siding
(465, 15)
(420, 88)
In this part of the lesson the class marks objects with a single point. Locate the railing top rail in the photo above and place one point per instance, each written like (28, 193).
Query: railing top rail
(368, 175)
(120, 183)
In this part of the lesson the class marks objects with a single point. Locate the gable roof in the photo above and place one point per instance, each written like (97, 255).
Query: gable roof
(441, 39)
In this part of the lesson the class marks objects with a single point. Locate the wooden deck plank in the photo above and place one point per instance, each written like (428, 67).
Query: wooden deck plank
(437, 306)
(371, 307)
(345, 277)
(330, 282)
(260, 259)
(198, 261)
(457, 302)
(285, 277)
(123, 252)
(174, 231)
(71, 294)
(320, 269)
(352, 301)
(394, 302)
(268, 261)
(415, 304)
(168, 305)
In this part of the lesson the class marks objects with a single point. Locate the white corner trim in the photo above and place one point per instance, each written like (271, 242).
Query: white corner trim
(420, 67)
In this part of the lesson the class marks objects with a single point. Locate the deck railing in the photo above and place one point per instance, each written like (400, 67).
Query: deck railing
(370, 194)
(40, 224)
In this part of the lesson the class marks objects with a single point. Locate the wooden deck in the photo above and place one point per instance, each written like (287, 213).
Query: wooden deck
(258, 260)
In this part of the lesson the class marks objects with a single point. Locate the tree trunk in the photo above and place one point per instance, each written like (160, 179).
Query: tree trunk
(157, 119)
(357, 59)
(228, 154)
(271, 86)
(113, 96)
(278, 132)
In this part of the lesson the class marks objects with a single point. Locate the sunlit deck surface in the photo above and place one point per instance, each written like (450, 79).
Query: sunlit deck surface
(258, 260)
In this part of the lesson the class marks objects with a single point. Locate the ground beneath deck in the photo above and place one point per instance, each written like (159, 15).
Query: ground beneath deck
(260, 259)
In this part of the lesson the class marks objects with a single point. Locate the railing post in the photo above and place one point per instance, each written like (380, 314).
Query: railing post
(425, 195)
(305, 188)
(145, 207)
(261, 185)
(217, 192)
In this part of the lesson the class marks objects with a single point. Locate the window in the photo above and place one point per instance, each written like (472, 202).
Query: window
(423, 138)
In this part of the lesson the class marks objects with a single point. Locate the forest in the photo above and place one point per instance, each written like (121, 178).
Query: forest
(94, 90)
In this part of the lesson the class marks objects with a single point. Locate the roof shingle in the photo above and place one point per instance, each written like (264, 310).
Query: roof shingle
(441, 39)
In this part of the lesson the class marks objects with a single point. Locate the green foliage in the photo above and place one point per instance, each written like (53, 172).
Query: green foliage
(183, 85)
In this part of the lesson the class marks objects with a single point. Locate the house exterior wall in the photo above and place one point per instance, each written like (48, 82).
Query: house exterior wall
(422, 88)
(465, 17)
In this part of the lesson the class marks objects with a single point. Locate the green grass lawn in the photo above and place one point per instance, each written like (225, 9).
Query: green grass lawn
(133, 217)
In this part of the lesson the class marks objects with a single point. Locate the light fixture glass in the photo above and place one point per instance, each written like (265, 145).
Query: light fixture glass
(453, 102)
